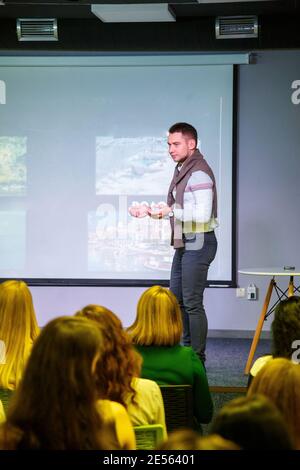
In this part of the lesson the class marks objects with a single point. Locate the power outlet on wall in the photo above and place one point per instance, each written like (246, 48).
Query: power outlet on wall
(252, 292)
(240, 292)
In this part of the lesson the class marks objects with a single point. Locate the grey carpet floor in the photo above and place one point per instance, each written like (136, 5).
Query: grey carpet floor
(226, 359)
(225, 363)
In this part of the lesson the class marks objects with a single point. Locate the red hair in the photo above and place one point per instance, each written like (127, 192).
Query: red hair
(120, 362)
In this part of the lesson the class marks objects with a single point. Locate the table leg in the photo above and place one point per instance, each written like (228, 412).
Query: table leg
(291, 286)
(259, 327)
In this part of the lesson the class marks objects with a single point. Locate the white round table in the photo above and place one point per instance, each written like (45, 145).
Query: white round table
(291, 272)
(283, 271)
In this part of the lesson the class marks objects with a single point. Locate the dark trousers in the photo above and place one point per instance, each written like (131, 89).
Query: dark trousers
(188, 277)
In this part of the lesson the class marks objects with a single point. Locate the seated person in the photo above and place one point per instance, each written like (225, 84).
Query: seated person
(188, 439)
(120, 368)
(285, 330)
(279, 381)
(253, 423)
(56, 405)
(18, 331)
(156, 334)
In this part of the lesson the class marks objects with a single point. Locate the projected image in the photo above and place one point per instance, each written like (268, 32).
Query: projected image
(12, 166)
(139, 165)
(12, 240)
(120, 244)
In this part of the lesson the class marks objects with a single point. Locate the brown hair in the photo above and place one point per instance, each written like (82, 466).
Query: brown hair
(286, 326)
(185, 129)
(253, 422)
(120, 362)
(158, 321)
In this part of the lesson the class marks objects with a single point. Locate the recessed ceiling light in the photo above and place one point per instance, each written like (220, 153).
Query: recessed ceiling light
(133, 13)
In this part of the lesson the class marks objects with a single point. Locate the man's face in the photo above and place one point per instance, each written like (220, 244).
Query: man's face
(180, 146)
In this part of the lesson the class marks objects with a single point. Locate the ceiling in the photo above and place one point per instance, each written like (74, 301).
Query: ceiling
(181, 8)
(194, 29)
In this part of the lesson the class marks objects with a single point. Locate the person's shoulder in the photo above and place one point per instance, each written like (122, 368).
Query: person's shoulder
(109, 405)
(197, 364)
(200, 177)
(186, 350)
(259, 363)
(187, 354)
(117, 408)
(141, 384)
(110, 409)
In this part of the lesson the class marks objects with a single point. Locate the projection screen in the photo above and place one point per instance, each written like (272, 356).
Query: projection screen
(81, 139)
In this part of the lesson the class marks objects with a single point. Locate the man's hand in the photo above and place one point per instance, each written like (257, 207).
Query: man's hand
(158, 211)
(139, 210)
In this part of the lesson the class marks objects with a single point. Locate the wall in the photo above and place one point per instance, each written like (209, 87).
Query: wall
(268, 194)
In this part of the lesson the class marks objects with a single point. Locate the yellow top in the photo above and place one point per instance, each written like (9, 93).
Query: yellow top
(113, 412)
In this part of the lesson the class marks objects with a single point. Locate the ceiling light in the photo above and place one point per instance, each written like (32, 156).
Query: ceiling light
(133, 13)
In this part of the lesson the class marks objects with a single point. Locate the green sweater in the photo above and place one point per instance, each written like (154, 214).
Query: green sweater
(179, 365)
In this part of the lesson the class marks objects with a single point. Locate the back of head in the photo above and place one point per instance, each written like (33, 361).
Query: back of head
(253, 423)
(185, 129)
(188, 439)
(55, 402)
(216, 442)
(18, 330)
(158, 321)
(182, 439)
(286, 327)
(120, 363)
(279, 380)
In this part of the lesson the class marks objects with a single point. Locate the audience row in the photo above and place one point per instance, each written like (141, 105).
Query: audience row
(84, 382)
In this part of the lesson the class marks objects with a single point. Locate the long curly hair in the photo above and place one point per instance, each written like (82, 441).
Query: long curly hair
(120, 362)
(286, 327)
(55, 405)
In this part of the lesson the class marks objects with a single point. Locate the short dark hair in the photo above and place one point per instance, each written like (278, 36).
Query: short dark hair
(286, 326)
(253, 422)
(185, 129)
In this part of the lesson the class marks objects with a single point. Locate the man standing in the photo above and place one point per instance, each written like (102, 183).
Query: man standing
(192, 209)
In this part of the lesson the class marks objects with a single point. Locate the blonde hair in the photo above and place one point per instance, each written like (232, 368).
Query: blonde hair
(18, 330)
(279, 380)
(158, 321)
